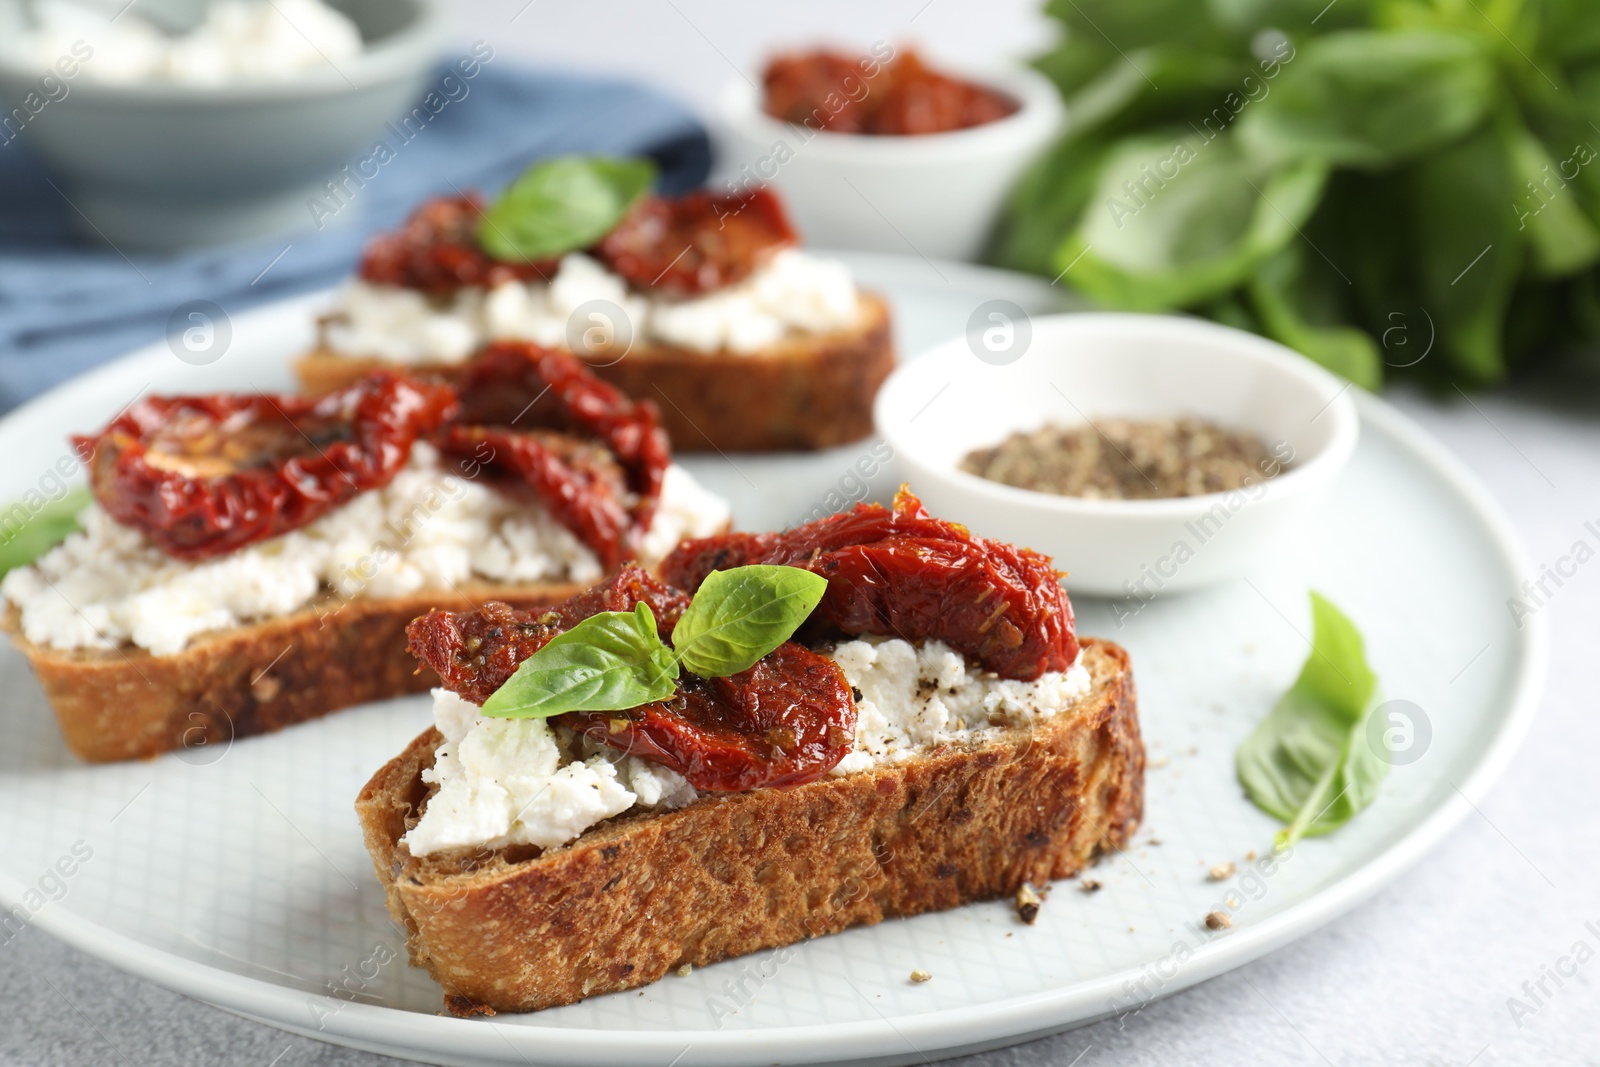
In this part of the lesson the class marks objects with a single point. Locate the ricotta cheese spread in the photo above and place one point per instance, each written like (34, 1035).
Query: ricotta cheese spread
(427, 529)
(523, 782)
(238, 41)
(520, 781)
(793, 293)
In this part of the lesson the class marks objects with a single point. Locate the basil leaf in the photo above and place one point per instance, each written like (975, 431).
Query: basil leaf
(1468, 250)
(1371, 98)
(1561, 237)
(740, 615)
(41, 531)
(1568, 29)
(1297, 307)
(561, 205)
(612, 661)
(1309, 763)
(1178, 220)
(1127, 26)
(1046, 205)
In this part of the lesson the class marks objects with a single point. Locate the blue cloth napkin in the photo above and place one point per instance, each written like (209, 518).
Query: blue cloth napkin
(65, 306)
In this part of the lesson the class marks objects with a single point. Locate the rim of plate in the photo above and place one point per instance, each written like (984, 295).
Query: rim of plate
(382, 1028)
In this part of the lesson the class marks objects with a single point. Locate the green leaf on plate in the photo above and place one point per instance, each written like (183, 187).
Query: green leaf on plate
(612, 661)
(561, 205)
(40, 531)
(1371, 98)
(740, 615)
(1310, 763)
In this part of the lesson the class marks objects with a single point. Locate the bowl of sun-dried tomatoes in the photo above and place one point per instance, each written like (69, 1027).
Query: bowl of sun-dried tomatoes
(883, 150)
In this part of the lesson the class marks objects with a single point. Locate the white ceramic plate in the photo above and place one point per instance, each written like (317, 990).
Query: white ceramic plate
(236, 874)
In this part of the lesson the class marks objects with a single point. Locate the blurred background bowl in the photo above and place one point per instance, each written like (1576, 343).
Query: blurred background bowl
(164, 166)
(937, 408)
(935, 195)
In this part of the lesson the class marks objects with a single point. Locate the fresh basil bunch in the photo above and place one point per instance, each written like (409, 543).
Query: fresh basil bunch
(561, 205)
(616, 660)
(1405, 182)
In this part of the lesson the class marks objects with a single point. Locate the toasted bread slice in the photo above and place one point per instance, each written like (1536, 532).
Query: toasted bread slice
(125, 703)
(805, 392)
(634, 897)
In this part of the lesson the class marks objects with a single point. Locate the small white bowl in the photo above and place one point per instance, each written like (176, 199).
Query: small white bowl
(938, 407)
(164, 166)
(935, 195)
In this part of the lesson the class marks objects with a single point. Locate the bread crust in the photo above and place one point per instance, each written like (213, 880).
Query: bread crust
(637, 896)
(118, 704)
(803, 393)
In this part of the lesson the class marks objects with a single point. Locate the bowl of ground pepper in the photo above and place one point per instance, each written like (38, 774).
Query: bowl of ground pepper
(1147, 453)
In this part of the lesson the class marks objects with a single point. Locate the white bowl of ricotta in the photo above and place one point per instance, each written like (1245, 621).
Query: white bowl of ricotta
(222, 131)
(1080, 368)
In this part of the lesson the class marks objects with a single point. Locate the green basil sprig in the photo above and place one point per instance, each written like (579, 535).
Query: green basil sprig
(1309, 763)
(616, 660)
(42, 530)
(561, 205)
(738, 616)
(608, 662)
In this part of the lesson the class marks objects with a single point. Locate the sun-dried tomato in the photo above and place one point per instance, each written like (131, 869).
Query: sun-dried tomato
(519, 386)
(822, 90)
(785, 721)
(436, 251)
(474, 652)
(904, 573)
(923, 101)
(831, 91)
(204, 475)
(578, 482)
(697, 243)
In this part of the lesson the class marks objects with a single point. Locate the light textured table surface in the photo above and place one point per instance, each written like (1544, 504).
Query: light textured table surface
(1421, 974)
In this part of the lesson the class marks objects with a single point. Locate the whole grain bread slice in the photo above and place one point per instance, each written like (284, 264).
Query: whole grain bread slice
(806, 391)
(125, 703)
(642, 894)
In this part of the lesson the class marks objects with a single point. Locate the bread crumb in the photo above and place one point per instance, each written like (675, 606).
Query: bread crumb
(1159, 761)
(1222, 871)
(685, 970)
(1250, 857)
(265, 688)
(1027, 903)
(1089, 885)
(919, 976)
(1219, 920)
